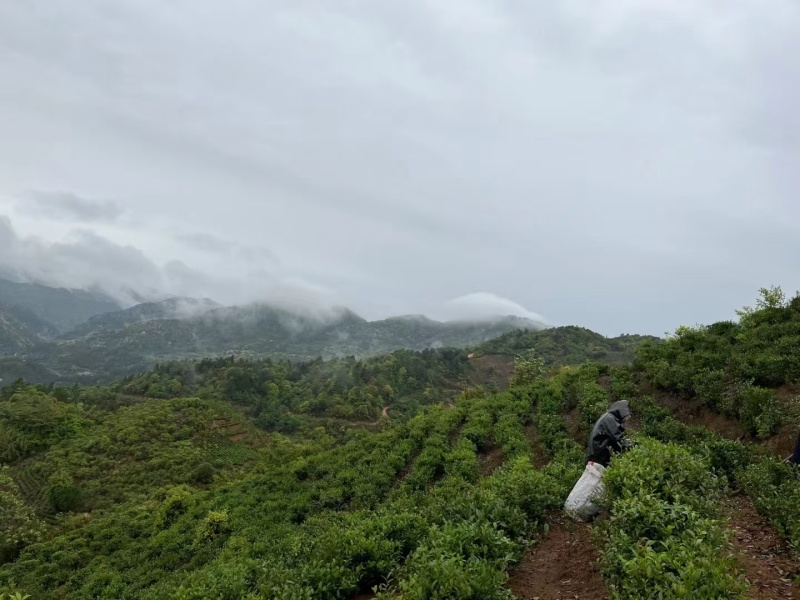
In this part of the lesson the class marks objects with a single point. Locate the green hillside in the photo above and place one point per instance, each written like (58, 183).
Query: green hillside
(387, 477)
(124, 342)
(568, 345)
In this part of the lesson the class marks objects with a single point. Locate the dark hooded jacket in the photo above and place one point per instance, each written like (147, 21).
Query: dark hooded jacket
(608, 432)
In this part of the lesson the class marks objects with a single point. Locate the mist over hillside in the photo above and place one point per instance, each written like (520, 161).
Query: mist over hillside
(95, 340)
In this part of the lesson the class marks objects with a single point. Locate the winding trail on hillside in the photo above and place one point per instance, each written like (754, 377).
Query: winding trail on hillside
(562, 566)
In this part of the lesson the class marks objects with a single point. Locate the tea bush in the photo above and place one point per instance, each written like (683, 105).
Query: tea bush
(775, 489)
(733, 366)
(661, 539)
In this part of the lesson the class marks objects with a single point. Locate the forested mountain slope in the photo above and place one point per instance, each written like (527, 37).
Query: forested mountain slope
(567, 345)
(121, 343)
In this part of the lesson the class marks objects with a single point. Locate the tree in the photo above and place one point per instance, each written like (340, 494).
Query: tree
(20, 525)
(63, 494)
(528, 368)
(770, 298)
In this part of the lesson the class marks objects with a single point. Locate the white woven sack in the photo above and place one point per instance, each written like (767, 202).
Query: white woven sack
(580, 504)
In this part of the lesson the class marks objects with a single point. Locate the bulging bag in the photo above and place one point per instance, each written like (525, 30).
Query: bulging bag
(580, 504)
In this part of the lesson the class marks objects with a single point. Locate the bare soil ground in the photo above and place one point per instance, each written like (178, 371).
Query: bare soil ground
(562, 566)
(695, 412)
(764, 557)
(491, 458)
(577, 430)
(540, 457)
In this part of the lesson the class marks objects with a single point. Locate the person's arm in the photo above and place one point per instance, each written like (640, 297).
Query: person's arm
(616, 434)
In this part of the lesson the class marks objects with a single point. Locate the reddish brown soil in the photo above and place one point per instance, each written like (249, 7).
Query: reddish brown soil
(562, 566)
(694, 412)
(490, 459)
(577, 430)
(767, 562)
(230, 428)
(239, 437)
(782, 443)
(494, 369)
(540, 457)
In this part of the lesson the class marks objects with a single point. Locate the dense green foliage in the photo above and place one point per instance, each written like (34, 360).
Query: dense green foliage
(124, 342)
(20, 524)
(567, 345)
(262, 478)
(661, 538)
(330, 523)
(734, 367)
(773, 485)
(288, 396)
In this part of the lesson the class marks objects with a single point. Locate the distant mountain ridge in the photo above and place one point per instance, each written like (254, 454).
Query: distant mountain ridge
(119, 342)
(62, 308)
(21, 329)
(172, 308)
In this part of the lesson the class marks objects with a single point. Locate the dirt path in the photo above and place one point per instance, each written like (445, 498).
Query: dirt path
(768, 563)
(491, 458)
(562, 566)
(540, 457)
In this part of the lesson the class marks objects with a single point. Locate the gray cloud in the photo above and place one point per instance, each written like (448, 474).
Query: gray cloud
(67, 206)
(628, 166)
(87, 260)
(212, 244)
(207, 242)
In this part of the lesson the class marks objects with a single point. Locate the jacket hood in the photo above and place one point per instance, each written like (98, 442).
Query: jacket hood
(620, 410)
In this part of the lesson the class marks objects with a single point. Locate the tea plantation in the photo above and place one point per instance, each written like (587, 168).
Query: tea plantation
(235, 479)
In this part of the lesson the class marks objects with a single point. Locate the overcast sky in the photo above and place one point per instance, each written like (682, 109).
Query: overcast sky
(627, 165)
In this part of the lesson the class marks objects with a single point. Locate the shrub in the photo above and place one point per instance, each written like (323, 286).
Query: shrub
(760, 411)
(462, 461)
(592, 402)
(63, 494)
(204, 473)
(214, 526)
(775, 489)
(478, 427)
(661, 539)
(177, 502)
(509, 435)
(465, 560)
(710, 385)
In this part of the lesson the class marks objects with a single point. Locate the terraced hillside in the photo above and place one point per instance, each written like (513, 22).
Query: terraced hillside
(455, 499)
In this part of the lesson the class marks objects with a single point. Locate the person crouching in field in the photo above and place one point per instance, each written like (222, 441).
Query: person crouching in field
(608, 434)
